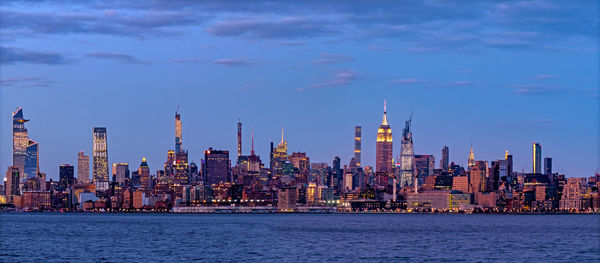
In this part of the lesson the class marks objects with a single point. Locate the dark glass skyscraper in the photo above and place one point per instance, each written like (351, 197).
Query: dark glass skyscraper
(67, 176)
(547, 165)
(217, 166)
(32, 163)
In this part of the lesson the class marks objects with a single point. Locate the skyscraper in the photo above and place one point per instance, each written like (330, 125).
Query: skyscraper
(471, 160)
(217, 167)
(144, 174)
(407, 156)
(357, 144)
(83, 168)
(548, 165)
(32, 163)
(424, 166)
(120, 172)
(239, 139)
(445, 158)
(100, 155)
(180, 167)
(66, 175)
(384, 151)
(20, 141)
(537, 158)
(178, 138)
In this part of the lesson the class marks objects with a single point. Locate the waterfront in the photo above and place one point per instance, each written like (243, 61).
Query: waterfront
(56, 237)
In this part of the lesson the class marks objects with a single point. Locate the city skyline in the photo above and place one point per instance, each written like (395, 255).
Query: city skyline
(104, 145)
(497, 75)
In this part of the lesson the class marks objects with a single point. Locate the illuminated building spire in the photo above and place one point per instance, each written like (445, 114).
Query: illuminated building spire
(384, 122)
(471, 161)
(506, 155)
(281, 134)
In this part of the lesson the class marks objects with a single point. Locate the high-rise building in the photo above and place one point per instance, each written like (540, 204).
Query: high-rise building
(12, 183)
(547, 165)
(178, 138)
(471, 159)
(83, 168)
(280, 155)
(217, 167)
(120, 172)
(357, 144)
(100, 156)
(537, 158)
(424, 166)
(144, 174)
(20, 142)
(32, 162)
(384, 151)
(445, 158)
(67, 176)
(239, 138)
(407, 156)
(180, 168)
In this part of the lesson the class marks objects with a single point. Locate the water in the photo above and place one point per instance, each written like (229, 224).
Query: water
(53, 237)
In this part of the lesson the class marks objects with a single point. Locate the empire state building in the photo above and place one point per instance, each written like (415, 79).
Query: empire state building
(383, 162)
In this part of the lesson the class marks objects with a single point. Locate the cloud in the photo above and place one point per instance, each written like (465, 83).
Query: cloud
(123, 58)
(340, 78)
(26, 81)
(332, 59)
(104, 21)
(544, 77)
(12, 55)
(232, 62)
(537, 89)
(379, 48)
(408, 81)
(188, 60)
(284, 28)
(461, 83)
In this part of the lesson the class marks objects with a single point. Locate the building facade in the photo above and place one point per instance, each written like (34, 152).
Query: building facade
(384, 151)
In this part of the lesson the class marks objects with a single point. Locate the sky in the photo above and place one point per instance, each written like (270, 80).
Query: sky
(497, 75)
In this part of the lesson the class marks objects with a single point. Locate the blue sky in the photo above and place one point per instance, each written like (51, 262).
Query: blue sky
(497, 74)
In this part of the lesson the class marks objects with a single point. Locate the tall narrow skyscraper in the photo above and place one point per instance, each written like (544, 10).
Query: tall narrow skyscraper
(445, 158)
(537, 158)
(239, 138)
(178, 138)
(100, 155)
(83, 168)
(357, 144)
(407, 156)
(384, 151)
(20, 142)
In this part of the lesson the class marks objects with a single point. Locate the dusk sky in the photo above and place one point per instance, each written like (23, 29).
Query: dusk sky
(495, 74)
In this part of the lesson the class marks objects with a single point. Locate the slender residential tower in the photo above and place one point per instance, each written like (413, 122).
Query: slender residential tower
(357, 144)
(239, 138)
(100, 155)
(537, 158)
(407, 156)
(383, 160)
(178, 139)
